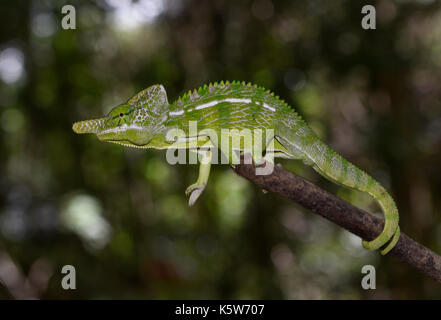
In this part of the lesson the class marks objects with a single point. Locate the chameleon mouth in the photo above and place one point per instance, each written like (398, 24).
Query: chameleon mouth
(126, 135)
(126, 143)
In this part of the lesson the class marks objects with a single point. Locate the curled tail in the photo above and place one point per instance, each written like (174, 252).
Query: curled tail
(303, 144)
(337, 169)
(391, 229)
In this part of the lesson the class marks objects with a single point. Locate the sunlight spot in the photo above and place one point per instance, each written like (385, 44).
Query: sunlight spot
(128, 15)
(11, 65)
(43, 25)
(82, 215)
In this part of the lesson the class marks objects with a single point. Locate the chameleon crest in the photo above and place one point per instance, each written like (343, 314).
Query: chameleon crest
(145, 119)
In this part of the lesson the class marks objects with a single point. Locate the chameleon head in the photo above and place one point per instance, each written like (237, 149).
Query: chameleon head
(132, 124)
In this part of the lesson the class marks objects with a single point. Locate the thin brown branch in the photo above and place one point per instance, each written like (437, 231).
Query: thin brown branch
(358, 222)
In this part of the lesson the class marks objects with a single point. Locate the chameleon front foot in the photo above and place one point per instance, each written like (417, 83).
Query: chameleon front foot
(194, 191)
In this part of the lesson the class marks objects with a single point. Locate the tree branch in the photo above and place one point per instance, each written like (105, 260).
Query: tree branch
(356, 221)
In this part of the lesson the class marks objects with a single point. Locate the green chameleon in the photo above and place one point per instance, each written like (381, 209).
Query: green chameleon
(144, 120)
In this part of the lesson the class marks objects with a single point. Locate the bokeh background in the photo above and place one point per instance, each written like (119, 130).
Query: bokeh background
(121, 217)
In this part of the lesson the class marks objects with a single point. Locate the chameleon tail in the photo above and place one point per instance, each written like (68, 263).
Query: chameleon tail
(302, 143)
(337, 169)
(391, 228)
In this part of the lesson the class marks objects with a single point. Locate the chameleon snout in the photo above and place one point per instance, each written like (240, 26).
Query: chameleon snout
(88, 126)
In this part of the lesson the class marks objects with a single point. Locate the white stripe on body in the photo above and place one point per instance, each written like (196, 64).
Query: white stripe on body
(215, 102)
(176, 113)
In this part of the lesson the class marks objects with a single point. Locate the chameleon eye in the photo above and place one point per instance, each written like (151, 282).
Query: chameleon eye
(121, 115)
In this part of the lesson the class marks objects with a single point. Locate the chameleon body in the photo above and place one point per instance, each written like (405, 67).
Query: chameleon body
(144, 120)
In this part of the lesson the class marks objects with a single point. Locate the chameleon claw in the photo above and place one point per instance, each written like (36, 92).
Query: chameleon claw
(194, 191)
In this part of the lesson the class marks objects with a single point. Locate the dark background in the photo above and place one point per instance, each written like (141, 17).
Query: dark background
(121, 217)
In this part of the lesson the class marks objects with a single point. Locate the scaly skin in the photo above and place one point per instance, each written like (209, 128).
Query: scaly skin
(144, 120)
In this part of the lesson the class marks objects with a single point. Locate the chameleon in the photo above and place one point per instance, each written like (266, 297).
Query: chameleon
(144, 120)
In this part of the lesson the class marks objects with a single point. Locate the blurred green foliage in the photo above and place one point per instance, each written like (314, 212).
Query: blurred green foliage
(121, 217)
